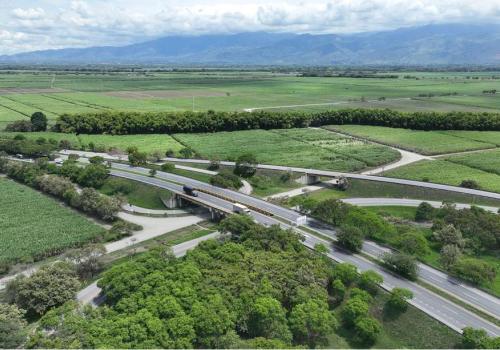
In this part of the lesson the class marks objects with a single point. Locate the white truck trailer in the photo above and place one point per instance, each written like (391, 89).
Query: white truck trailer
(240, 208)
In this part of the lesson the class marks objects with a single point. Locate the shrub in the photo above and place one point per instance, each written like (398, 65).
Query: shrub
(399, 299)
(470, 184)
(367, 329)
(425, 212)
(226, 180)
(350, 237)
(246, 165)
(413, 243)
(474, 270)
(403, 264)
(167, 167)
(19, 126)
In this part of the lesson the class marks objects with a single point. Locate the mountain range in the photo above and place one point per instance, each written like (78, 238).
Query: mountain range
(444, 44)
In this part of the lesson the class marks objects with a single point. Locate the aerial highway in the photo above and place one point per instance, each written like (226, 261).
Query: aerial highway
(440, 308)
(473, 296)
(327, 173)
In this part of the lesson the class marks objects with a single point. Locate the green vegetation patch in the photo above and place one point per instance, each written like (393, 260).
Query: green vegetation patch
(144, 142)
(444, 172)
(136, 193)
(425, 142)
(308, 148)
(488, 160)
(33, 226)
(482, 136)
(368, 153)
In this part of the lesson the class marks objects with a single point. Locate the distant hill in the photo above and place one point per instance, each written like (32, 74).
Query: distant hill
(425, 45)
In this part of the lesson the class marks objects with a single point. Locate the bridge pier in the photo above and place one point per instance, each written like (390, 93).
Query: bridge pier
(174, 201)
(308, 179)
(216, 215)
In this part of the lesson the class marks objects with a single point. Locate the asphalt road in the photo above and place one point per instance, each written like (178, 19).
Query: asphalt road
(403, 202)
(438, 307)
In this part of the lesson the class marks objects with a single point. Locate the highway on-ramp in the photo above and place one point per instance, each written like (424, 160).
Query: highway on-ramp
(440, 308)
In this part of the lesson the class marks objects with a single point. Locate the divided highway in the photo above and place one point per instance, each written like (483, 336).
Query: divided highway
(438, 307)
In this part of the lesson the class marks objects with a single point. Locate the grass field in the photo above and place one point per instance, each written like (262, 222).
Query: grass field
(492, 137)
(488, 161)
(444, 172)
(145, 143)
(34, 226)
(425, 142)
(310, 148)
(65, 92)
(136, 193)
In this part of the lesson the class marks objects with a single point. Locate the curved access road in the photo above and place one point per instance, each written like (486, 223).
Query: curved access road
(403, 202)
(438, 307)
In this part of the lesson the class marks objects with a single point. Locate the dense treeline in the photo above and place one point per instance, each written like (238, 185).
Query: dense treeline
(260, 288)
(56, 181)
(114, 122)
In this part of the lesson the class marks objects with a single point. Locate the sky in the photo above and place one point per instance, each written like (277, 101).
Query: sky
(27, 25)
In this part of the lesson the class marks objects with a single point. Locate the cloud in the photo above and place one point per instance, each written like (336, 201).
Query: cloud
(29, 13)
(44, 24)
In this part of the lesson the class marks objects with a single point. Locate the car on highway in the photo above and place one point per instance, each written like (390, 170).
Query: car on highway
(189, 191)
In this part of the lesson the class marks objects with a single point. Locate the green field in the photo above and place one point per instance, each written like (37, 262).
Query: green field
(488, 161)
(33, 226)
(145, 143)
(482, 136)
(444, 172)
(309, 148)
(24, 92)
(425, 142)
(137, 193)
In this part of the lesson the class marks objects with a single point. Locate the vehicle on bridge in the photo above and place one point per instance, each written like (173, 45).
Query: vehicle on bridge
(240, 208)
(189, 191)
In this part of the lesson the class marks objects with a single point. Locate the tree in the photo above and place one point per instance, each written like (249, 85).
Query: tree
(425, 212)
(152, 172)
(19, 126)
(332, 211)
(167, 167)
(345, 272)
(470, 184)
(49, 287)
(353, 309)
(93, 175)
(449, 235)
(413, 243)
(449, 255)
(170, 153)
(96, 160)
(137, 158)
(370, 280)
(12, 326)
(214, 164)
(477, 339)
(87, 260)
(338, 290)
(399, 299)
(311, 322)
(246, 165)
(186, 152)
(474, 270)
(402, 264)
(350, 237)
(343, 183)
(267, 319)
(321, 248)
(39, 121)
(212, 320)
(367, 329)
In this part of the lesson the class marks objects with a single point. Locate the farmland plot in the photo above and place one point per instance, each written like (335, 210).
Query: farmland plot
(33, 226)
